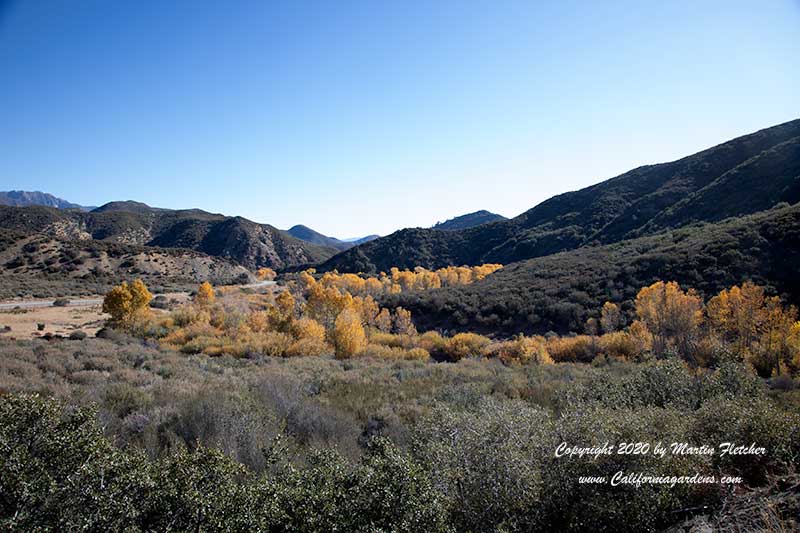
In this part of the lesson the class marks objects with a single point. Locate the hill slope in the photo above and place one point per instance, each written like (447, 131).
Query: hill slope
(38, 265)
(560, 291)
(761, 168)
(469, 220)
(250, 244)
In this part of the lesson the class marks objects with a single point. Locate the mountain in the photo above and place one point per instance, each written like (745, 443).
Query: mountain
(559, 292)
(469, 220)
(26, 198)
(304, 233)
(248, 243)
(745, 175)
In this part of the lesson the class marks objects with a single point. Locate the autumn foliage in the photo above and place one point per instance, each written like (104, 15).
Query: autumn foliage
(339, 314)
(205, 295)
(127, 304)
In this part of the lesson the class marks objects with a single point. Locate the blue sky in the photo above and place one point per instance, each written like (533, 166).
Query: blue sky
(365, 117)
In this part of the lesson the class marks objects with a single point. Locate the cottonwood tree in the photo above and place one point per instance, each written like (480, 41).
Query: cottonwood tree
(755, 327)
(672, 315)
(127, 303)
(205, 295)
(348, 334)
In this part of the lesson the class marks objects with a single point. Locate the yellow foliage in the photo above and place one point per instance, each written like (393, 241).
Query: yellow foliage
(266, 274)
(577, 349)
(205, 295)
(383, 321)
(382, 351)
(308, 329)
(756, 327)
(258, 321)
(620, 344)
(395, 341)
(127, 303)
(465, 345)
(307, 347)
(432, 342)
(348, 334)
(521, 350)
(671, 315)
(285, 304)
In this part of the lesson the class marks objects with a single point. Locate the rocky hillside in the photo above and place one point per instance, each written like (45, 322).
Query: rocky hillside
(38, 265)
(248, 243)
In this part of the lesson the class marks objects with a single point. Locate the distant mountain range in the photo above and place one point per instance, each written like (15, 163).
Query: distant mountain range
(469, 220)
(304, 233)
(248, 243)
(26, 198)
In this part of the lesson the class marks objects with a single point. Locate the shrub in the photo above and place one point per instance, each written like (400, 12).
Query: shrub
(394, 352)
(750, 421)
(308, 329)
(578, 349)
(521, 350)
(307, 347)
(160, 302)
(465, 345)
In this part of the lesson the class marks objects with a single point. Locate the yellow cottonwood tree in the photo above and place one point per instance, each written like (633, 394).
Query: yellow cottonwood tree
(348, 334)
(127, 303)
(205, 295)
(672, 315)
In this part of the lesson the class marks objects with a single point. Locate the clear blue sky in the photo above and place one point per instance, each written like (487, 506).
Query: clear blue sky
(365, 117)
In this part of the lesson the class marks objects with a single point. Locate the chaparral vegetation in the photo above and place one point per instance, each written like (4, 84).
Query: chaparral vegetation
(312, 408)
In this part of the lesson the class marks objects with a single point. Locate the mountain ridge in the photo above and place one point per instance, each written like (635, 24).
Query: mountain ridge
(610, 211)
(28, 198)
(248, 243)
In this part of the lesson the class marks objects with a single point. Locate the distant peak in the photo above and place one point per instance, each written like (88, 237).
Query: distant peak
(469, 220)
(126, 205)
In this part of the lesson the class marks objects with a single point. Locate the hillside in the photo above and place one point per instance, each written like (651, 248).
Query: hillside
(248, 243)
(560, 291)
(39, 265)
(26, 198)
(469, 220)
(741, 176)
